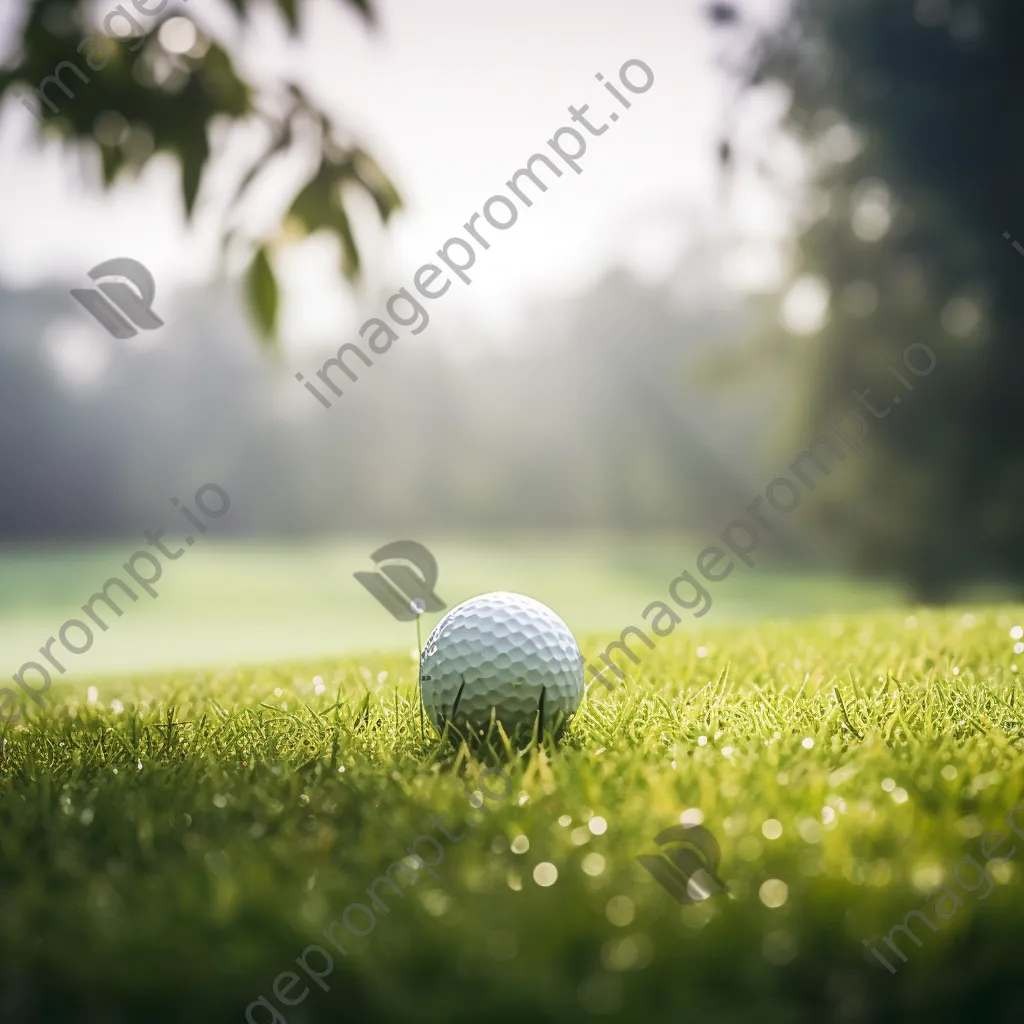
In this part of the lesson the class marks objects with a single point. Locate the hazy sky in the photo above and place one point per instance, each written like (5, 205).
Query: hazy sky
(452, 96)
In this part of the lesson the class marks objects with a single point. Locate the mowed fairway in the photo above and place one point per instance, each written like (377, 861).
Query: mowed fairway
(246, 603)
(167, 860)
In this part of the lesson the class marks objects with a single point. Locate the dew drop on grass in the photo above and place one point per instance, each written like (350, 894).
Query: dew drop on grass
(698, 915)
(620, 911)
(580, 835)
(435, 902)
(629, 953)
(926, 876)
(809, 830)
(1003, 871)
(969, 826)
(545, 873)
(773, 893)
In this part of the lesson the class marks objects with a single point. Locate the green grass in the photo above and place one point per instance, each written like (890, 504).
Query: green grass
(167, 861)
(250, 603)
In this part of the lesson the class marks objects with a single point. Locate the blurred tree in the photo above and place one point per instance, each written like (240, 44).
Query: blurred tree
(908, 114)
(108, 79)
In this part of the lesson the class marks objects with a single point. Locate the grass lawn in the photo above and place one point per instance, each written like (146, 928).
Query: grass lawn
(254, 602)
(166, 859)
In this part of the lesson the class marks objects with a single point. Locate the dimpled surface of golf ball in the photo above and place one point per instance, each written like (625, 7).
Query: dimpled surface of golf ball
(509, 650)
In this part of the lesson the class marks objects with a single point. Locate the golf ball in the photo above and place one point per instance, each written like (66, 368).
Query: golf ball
(504, 652)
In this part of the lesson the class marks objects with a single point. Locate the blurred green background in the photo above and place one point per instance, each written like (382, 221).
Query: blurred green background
(248, 603)
(807, 189)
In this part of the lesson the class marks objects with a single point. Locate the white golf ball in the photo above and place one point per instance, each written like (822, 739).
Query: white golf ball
(504, 652)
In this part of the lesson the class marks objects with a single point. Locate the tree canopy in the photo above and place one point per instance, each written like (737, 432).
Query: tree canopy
(908, 111)
(111, 85)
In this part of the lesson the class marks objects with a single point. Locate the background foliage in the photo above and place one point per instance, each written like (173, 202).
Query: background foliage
(906, 230)
(146, 101)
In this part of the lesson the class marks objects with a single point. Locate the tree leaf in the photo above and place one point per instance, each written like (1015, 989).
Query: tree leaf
(193, 156)
(290, 10)
(177, 122)
(262, 294)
